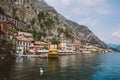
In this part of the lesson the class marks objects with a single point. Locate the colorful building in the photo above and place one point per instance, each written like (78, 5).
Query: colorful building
(39, 46)
(23, 41)
(77, 44)
(12, 21)
(66, 46)
(3, 31)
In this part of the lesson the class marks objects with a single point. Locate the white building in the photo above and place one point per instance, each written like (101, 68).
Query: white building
(23, 42)
(66, 46)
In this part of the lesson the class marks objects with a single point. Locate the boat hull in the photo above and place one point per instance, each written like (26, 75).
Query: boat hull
(53, 55)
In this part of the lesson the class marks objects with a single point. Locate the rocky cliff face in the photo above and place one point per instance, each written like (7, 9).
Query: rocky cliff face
(47, 22)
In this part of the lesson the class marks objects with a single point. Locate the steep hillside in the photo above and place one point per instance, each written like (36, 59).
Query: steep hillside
(83, 33)
(46, 22)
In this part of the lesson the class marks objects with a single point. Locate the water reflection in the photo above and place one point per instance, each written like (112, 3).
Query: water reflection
(72, 67)
(66, 61)
(5, 69)
(80, 67)
(19, 60)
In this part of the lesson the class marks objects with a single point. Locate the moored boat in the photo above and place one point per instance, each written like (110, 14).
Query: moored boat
(53, 53)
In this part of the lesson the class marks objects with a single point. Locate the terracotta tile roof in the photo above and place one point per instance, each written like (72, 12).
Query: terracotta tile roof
(35, 46)
(24, 39)
(25, 33)
(40, 43)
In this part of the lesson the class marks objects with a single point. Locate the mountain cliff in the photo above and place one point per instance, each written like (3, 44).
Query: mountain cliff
(46, 22)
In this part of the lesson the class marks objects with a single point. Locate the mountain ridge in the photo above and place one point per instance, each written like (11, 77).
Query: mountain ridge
(115, 46)
(48, 22)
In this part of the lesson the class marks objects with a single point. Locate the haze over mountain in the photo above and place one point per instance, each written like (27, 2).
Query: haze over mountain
(48, 22)
(115, 46)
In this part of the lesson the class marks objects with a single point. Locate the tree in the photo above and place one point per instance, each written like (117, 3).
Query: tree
(9, 42)
(32, 22)
(1, 10)
(45, 47)
(14, 31)
(55, 41)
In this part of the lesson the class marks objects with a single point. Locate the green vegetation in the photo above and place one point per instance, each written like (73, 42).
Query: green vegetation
(9, 42)
(14, 11)
(60, 31)
(54, 40)
(32, 22)
(34, 33)
(1, 10)
(67, 34)
(14, 31)
(16, 17)
(49, 22)
(46, 20)
(45, 47)
(1, 0)
(41, 16)
(37, 35)
(18, 50)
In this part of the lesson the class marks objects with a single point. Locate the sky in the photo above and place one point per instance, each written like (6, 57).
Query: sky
(102, 17)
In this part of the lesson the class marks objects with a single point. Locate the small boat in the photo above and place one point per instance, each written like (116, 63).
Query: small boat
(53, 53)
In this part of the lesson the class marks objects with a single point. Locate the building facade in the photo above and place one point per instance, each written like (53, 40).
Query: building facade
(3, 31)
(38, 46)
(14, 22)
(23, 41)
(66, 46)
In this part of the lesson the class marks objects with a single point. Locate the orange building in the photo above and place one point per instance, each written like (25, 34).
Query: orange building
(3, 30)
(10, 20)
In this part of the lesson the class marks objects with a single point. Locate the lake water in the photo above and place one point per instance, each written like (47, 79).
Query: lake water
(70, 67)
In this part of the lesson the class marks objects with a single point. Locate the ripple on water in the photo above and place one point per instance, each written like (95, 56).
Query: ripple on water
(72, 67)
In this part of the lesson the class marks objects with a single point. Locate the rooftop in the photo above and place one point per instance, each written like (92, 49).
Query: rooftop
(25, 34)
(24, 39)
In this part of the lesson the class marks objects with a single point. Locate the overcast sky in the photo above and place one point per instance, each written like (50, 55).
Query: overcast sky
(102, 17)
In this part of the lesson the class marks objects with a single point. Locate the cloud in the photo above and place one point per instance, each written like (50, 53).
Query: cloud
(116, 34)
(116, 37)
(81, 6)
(103, 11)
(65, 2)
(85, 12)
(91, 2)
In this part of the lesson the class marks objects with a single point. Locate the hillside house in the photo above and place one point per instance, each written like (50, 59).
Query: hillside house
(38, 46)
(14, 22)
(66, 46)
(3, 31)
(23, 41)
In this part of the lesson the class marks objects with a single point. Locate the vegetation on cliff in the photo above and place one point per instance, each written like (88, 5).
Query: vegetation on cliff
(46, 24)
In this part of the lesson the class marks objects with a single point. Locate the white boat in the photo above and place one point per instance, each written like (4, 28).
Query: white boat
(43, 51)
(34, 56)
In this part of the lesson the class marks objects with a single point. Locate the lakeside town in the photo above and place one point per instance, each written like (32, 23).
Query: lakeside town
(21, 42)
(59, 40)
